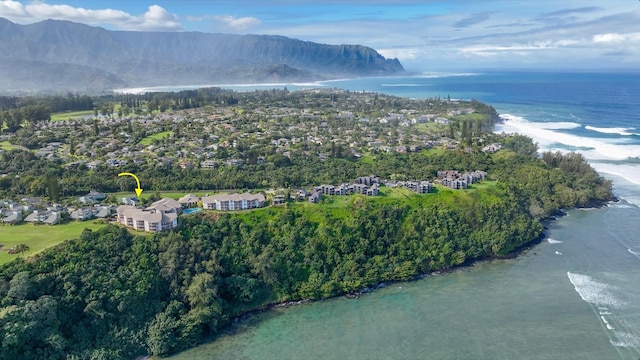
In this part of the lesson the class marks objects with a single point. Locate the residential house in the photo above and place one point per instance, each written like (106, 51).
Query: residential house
(491, 148)
(315, 197)
(82, 214)
(129, 200)
(102, 211)
(278, 200)
(189, 201)
(44, 217)
(92, 196)
(208, 164)
(10, 216)
(166, 205)
(93, 164)
(234, 201)
(302, 194)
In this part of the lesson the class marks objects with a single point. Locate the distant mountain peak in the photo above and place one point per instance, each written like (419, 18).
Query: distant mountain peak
(139, 58)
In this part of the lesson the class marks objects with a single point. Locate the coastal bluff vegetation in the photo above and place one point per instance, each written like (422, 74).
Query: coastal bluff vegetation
(112, 294)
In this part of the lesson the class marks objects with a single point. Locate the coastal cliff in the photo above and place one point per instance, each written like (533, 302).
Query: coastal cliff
(55, 55)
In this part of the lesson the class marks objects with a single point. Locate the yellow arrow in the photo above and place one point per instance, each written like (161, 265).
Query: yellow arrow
(138, 189)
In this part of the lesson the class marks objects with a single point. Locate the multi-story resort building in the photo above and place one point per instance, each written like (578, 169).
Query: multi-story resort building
(160, 216)
(227, 202)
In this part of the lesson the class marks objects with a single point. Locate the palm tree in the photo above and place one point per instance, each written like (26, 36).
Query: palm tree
(21, 248)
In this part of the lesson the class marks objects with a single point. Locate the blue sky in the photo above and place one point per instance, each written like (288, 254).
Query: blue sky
(427, 35)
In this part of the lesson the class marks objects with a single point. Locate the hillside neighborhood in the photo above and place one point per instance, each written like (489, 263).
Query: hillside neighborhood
(261, 130)
(162, 215)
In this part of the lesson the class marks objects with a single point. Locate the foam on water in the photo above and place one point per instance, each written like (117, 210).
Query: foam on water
(543, 133)
(624, 339)
(624, 131)
(243, 87)
(435, 75)
(405, 85)
(629, 172)
(601, 296)
(593, 292)
(626, 182)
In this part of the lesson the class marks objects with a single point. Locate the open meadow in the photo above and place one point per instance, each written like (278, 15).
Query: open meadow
(69, 115)
(39, 237)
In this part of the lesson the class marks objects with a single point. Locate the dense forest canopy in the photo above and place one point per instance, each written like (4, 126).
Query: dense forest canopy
(110, 294)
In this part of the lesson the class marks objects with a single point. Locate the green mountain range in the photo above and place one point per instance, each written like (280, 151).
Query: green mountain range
(55, 55)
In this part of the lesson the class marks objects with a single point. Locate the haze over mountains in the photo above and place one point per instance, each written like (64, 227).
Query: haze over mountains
(57, 56)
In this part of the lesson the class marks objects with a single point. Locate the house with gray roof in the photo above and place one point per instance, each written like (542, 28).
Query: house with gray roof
(10, 216)
(82, 214)
(92, 196)
(166, 205)
(44, 217)
(189, 200)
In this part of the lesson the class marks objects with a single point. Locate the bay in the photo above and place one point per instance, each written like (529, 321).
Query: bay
(574, 296)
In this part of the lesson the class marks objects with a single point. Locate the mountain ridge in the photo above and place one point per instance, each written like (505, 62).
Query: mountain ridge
(132, 58)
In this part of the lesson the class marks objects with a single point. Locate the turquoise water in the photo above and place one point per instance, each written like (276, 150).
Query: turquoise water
(574, 296)
(191, 210)
(523, 308)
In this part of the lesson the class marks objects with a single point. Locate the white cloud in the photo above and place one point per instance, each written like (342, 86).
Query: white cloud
(517, 49)
(616, 37)
(404, 54)
(235, 23)
(11, 8)
(155, 18)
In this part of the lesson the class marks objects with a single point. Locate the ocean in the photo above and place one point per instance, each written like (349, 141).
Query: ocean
(576, 295)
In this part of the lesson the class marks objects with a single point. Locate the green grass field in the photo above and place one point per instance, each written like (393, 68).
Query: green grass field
(5, 145)
(68, 115)
(39, 237)
(431, 128)
(146, 193)
(158, 136)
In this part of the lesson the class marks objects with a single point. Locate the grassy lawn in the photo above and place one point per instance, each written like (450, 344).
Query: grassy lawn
(435, 151)
(5, 145)
(68, 115)
(39, 237)
(158, 136)
(431, 128)
(482, 185)
(146, 193)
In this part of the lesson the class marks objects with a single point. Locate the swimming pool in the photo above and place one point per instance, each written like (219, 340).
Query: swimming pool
(189, 211)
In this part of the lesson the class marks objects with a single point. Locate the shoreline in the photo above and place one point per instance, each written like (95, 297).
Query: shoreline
(467, 264)
(355, 295)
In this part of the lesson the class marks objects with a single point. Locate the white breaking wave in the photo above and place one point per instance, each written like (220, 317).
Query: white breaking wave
(558, 125)
(175, 88)
(620, 206)
(626, 178)
(554, 241)
(446, 74)
(405, 85)
(615, 130)
(592, 148)
(624, 339)
(594, 292)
